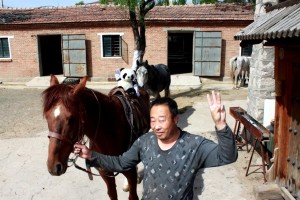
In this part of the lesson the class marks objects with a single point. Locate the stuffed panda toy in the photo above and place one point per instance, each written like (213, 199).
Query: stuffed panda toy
(126, 78)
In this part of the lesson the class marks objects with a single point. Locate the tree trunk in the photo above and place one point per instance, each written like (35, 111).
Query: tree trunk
(138, 51)
(139, 34)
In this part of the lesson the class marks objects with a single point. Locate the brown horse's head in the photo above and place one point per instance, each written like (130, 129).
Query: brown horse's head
(63, 113)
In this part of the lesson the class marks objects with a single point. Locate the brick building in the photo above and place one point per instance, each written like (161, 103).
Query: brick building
(94, 40)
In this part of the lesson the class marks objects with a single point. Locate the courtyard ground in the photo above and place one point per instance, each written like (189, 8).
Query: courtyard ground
(24, 143)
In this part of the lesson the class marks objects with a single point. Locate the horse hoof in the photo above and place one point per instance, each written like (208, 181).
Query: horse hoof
(125, 188)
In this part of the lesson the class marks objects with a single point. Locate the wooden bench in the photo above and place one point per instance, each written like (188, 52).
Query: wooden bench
(257, 130)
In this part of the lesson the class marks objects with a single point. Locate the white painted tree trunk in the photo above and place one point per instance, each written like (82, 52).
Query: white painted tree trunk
(137, 55)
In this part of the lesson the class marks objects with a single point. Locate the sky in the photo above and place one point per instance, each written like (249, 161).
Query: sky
(39, 3)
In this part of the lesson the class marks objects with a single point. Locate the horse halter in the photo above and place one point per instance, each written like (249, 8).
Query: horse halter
(68, 140)
(59, 137)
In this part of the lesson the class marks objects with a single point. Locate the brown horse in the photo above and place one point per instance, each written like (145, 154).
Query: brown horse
(73, 111)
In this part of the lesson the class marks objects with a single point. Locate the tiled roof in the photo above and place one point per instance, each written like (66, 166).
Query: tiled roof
(279, 23)
(202, 12)
(98, 13)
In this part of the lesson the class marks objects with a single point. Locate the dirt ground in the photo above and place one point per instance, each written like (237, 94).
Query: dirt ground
(21, 109)
(21, 116)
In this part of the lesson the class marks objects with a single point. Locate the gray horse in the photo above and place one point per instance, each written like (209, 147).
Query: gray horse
(154, 78)
(239, 70)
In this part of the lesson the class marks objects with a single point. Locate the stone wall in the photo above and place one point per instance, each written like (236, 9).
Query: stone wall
(261, 81)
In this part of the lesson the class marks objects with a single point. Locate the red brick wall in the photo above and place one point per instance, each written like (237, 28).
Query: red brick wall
(25, 60)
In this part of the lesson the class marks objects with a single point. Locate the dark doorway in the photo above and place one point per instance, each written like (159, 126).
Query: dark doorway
(180, 52)
(50, 57)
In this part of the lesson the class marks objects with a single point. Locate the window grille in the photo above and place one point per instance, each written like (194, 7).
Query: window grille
(112, 45)
(4, 48)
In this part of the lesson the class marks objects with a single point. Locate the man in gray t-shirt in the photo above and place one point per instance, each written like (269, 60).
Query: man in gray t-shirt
(171, 157)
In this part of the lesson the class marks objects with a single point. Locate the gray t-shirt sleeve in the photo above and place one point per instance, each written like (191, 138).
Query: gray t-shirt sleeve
(124, 162)
(223, 153)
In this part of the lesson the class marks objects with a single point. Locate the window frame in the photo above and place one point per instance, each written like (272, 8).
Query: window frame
(241, 50)
(102, 45)
(9, 47)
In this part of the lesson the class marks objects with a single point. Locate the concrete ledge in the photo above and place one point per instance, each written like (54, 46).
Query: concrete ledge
(182, 79)
(43, 81)
(178, 82)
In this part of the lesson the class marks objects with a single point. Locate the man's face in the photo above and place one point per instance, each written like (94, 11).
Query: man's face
(162, 123)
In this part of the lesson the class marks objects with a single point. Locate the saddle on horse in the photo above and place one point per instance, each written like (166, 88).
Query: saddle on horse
(136, 111)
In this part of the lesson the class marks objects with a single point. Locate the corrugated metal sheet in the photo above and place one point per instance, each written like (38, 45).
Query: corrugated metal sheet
(207, 53)
(277, 24)
(74, 55)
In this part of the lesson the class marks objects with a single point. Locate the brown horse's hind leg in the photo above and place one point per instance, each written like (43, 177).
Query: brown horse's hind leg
(132, 178)
(110, 184)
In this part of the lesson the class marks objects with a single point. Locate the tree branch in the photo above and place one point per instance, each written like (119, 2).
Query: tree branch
(149, 4)
(134, 26)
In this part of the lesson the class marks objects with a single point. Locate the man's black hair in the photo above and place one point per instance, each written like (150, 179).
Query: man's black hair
(166, 101)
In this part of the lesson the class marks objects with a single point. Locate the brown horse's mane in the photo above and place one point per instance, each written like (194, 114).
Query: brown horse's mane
(53, 95)
(62, 93)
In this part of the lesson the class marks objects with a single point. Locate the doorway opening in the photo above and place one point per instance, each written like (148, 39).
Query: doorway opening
(180, 52)
(50, 56)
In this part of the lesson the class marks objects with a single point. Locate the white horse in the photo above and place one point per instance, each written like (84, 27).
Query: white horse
(154, 78)
(239, 70)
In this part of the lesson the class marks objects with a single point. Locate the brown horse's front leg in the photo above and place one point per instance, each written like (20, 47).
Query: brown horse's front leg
(110, 184)
(131, 176)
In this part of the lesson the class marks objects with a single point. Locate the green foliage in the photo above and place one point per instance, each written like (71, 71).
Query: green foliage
(195, 2)
(209, 1)
(162, 3)
(80, 3)
(105, 2)
(179, 2)
(131, 4)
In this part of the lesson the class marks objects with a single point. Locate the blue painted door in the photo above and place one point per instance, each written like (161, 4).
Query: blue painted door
(74, 55)
(207, 53)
